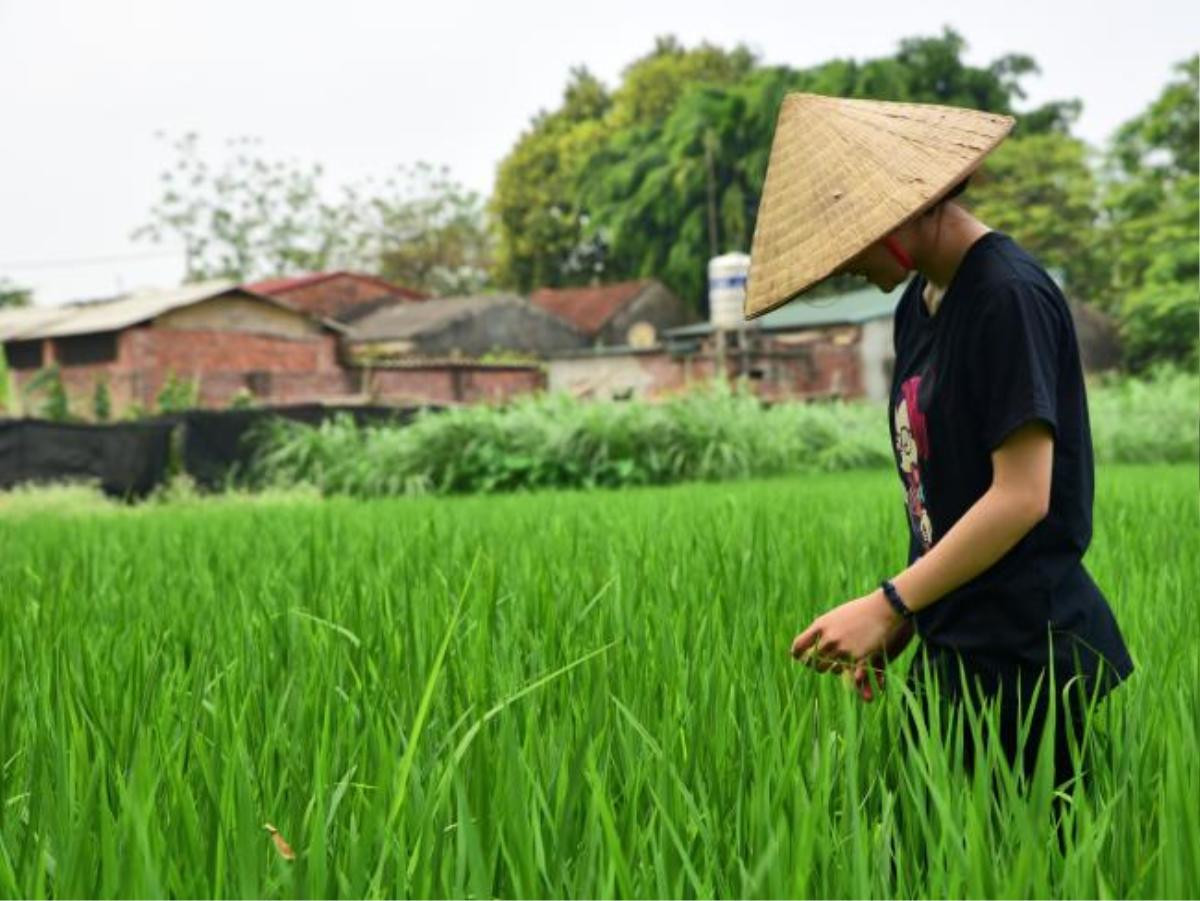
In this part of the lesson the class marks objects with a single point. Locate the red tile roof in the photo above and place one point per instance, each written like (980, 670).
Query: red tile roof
(275, 286)
(589, 308)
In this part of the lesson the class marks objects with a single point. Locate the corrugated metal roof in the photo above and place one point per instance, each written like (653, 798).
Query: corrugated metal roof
(26, 321)
(104, 315)
(842, 309)
(407, 320)
(121, 312)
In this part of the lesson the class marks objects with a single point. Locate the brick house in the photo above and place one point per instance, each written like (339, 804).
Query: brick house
(224, 337)
(622, 314)
(827, 347)
(343, 296)
(839, 346)
(438, 350)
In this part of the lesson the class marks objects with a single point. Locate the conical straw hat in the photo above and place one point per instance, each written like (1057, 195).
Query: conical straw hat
(845, 173)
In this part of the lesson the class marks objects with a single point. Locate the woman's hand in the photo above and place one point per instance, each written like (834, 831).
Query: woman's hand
(849, 634)
(869, 674)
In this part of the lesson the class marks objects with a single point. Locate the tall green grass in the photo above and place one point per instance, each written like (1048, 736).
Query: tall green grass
(549, 695)
(718, 434)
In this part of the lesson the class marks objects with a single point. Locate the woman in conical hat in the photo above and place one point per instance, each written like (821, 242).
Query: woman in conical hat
(987, 413)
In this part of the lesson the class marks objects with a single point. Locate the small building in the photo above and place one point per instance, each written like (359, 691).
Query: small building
(825, 347)
(343, 296)
(633, 313)
(456, 350)
(838, 346)
(460, 328)
(223, 338)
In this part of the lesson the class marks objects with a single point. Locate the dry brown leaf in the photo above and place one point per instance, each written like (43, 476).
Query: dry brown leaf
(281, 845)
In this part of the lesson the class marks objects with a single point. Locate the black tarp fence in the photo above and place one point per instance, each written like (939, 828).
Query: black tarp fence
(128, 459)
(131, 459)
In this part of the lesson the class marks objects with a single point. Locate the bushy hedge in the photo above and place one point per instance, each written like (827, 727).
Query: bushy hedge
(554, 441)
(1147, 420)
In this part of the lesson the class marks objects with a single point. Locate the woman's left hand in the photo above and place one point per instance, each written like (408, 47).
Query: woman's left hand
(848, 633)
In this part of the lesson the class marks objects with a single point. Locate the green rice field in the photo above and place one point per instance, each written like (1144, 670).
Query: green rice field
(560, 694)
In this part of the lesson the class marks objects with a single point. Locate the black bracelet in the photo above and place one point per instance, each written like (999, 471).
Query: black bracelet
(893, 598)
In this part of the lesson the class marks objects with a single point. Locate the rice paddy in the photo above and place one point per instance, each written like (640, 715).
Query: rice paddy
(561, 694)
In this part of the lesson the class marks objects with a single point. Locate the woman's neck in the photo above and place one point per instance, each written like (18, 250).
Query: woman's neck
(942, 240)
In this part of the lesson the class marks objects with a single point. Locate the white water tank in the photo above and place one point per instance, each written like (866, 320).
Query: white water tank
(727, 289)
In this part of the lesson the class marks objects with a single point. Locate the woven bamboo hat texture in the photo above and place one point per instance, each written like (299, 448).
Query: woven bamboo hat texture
(845, 173)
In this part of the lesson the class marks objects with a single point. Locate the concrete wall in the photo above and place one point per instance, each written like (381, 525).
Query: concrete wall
(784, 370)
(605, 377)
(776, 368)
(877, 357)
(452, 384)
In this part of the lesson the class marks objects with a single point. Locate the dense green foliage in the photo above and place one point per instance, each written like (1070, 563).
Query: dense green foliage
(1153, 202)
(1042, 190)
(555, 441)
(551, 695)
(666, 171)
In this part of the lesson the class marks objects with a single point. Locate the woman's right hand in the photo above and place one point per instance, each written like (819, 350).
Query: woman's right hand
(877, 663)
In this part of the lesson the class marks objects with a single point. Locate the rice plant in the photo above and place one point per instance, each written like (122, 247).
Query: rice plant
(553, 694)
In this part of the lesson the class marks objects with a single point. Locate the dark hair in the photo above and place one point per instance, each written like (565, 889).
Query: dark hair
(957, 189)
(949, 195)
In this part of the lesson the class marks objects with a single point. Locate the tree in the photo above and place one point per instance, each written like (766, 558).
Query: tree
(1041, 190)
(653, 84)
(544, 235)
(663, 199)
(12, 295)
(535, 219)
(673, 171)
(250, 217)
(247, 218)
(1152, 203)
(424, 229)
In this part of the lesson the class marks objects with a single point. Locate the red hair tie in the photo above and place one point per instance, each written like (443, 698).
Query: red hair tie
(899, 253)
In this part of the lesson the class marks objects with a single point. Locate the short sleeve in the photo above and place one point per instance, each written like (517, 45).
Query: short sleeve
(1017, 342)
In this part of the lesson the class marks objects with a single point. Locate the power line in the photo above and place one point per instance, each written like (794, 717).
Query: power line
(69, 263)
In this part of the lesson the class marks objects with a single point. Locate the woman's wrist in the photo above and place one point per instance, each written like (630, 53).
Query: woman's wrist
(893, 616)
(894, 601)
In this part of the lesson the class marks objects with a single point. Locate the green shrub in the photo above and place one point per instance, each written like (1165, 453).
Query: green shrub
(101, 401)
(554, 441)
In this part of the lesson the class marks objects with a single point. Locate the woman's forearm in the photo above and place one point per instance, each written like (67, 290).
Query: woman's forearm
(984, 534)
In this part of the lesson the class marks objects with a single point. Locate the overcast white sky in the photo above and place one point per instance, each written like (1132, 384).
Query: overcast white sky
(361, 85)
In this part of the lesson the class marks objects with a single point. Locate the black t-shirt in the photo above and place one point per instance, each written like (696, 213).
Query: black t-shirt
(1001, 351)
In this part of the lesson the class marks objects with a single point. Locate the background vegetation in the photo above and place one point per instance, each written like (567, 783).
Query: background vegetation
(551, 695)
(555, 441)
(653, 176)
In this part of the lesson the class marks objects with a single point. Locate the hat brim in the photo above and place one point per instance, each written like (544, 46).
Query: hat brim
(844, 174)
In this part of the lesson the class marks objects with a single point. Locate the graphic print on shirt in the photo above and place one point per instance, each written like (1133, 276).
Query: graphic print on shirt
(912, 446)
